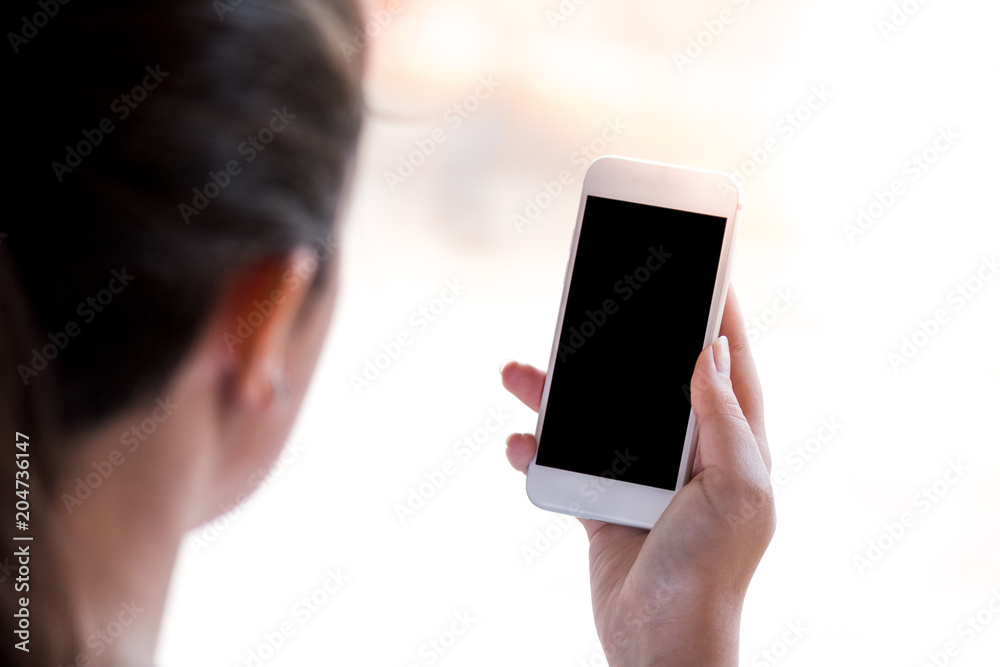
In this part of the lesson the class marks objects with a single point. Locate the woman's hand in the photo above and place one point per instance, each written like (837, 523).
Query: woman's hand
(673, 595)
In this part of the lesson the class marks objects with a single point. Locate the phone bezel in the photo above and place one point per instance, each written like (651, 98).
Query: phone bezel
(663, 185)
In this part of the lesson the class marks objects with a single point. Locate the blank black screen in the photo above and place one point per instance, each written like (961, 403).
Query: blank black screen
(636, 313)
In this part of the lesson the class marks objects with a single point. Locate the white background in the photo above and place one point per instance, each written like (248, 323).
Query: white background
(826, 357)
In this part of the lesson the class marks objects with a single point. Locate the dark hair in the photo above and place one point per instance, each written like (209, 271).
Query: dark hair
(158, 148)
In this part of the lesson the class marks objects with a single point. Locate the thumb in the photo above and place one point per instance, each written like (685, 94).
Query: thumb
(724, 436)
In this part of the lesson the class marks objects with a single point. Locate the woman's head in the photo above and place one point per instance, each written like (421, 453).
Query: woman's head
(176, 171)
(181, 141)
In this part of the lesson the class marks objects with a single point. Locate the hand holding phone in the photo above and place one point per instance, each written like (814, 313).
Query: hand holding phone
(673, 595)
(645, 283)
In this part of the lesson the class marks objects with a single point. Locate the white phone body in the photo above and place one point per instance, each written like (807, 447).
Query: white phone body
(608, 497)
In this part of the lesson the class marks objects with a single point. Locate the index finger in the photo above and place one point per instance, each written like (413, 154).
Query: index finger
(525, 382)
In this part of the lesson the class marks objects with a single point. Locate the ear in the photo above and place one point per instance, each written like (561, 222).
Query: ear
(256, 317)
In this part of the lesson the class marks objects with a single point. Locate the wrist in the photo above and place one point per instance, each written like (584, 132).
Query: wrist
(704, 633)
(698, 645)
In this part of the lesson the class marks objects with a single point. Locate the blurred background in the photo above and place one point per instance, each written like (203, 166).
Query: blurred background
(866, 139)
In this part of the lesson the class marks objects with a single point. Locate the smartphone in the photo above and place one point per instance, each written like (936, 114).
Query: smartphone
(644, 291)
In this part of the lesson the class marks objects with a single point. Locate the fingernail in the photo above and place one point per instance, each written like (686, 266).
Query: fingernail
(503, 364)
(720, 350)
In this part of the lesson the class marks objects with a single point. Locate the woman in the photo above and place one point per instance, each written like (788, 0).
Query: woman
(177, 165)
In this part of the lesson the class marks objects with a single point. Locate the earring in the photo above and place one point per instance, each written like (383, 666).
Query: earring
(281, 389)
